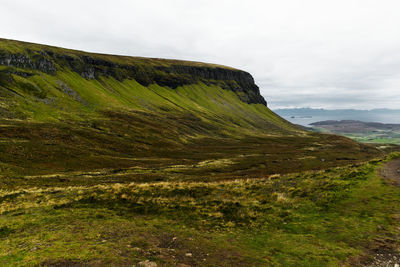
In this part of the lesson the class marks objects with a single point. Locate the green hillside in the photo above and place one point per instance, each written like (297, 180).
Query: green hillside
(65, 111)
(113, 160)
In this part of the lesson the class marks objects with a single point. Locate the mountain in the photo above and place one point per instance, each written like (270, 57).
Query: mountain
(64, 111)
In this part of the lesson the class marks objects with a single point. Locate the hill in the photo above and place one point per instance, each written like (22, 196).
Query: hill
(125, 161)
(65, 111)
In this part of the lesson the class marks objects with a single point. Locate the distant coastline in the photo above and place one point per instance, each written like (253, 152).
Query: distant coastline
(306, 116)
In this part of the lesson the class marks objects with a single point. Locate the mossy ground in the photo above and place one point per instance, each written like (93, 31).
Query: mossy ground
(321, 218)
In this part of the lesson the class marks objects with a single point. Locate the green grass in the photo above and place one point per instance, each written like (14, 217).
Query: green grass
(380, 137)
(306, 219)
(109, 171)
(63, 123)
(375, 139)
(13, 46)
(108, 124)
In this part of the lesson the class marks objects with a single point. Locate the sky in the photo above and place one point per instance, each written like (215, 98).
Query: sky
(301, 53)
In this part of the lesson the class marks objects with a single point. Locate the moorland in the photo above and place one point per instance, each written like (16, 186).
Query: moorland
(115, 160)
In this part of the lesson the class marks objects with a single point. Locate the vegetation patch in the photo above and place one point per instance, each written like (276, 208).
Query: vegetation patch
(311, 218)
(108, 160)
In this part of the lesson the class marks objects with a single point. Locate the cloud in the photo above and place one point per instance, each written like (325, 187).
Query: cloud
(343, 53)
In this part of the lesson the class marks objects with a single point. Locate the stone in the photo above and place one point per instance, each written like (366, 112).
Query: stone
(146, 263)
(137, 249)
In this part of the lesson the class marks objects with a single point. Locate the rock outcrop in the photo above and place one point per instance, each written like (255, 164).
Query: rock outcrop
(169, 75)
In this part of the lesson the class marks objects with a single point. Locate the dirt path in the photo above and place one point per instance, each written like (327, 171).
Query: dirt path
(385, 255)
(391, 172)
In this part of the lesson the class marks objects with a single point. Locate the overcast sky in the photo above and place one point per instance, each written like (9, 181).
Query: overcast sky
(302, 53)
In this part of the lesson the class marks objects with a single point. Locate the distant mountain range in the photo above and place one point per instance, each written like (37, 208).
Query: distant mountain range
(306, 116)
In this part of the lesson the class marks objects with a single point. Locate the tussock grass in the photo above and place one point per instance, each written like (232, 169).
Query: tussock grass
(311, 218)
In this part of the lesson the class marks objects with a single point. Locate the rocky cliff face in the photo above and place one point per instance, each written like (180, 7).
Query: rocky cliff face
(91, 66)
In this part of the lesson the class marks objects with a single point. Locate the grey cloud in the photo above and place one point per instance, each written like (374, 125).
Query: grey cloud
(302, 53)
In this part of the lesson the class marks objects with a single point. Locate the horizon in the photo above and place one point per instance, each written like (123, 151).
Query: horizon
(317, 108)
(307, 116)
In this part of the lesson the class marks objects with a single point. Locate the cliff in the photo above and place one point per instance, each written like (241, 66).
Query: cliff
(64, 110)
(168, 73)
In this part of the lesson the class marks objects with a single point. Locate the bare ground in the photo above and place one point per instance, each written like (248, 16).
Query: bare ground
(391, 172)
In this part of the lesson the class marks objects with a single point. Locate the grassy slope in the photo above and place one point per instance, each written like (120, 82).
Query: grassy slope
(306, 219)
(65, 123)
(99, 171)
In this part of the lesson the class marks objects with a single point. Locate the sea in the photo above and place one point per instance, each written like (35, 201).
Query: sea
(300, 116)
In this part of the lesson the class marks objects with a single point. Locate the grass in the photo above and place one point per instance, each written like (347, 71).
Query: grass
(376, 139)
(60, 122)
(391, 137)
(116, 170)
(13, 46)
(308, 219)
(135, 147)
(119, 125)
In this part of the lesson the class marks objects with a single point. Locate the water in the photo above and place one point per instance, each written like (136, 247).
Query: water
(382, 116)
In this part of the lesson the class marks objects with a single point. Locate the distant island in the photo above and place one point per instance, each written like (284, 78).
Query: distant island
(353, 126)
(307, 116)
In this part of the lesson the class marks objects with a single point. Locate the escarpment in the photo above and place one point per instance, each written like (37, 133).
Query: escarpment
(146, 71)
(64, 110)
